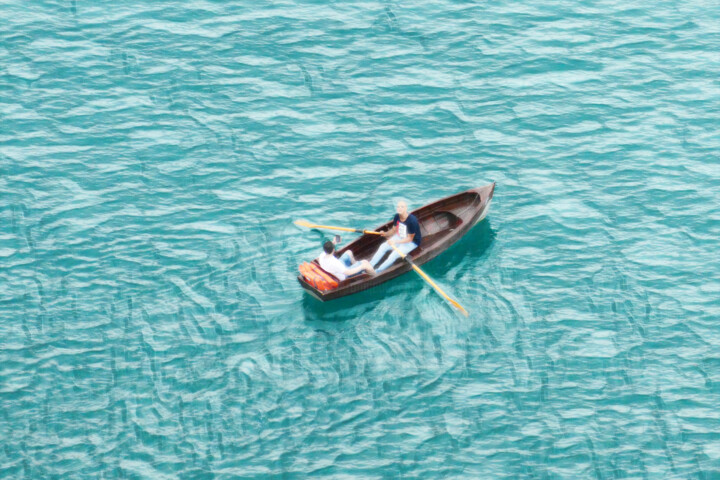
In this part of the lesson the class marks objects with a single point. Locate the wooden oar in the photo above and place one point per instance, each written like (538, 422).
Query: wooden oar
(303, 223)
(429, 280)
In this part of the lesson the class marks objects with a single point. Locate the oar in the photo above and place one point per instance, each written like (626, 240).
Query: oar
(303, 223)
(429, 280)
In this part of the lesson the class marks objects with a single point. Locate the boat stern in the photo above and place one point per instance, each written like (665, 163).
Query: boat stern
(310, 289)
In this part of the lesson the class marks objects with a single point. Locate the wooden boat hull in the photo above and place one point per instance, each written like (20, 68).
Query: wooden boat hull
(442, 223)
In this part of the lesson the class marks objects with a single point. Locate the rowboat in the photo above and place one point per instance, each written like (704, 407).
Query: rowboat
(442, 223)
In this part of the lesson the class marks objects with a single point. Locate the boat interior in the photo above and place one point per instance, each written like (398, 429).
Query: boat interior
(436, 220)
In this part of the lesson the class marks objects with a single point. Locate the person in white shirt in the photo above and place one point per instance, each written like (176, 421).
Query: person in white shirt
(342, 267)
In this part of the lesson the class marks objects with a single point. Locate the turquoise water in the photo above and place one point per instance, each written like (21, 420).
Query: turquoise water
(153, 156)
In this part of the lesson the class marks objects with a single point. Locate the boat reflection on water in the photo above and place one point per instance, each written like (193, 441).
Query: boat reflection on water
(468, 250)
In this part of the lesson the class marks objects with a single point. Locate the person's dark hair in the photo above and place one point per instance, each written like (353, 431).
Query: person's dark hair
(328, 247)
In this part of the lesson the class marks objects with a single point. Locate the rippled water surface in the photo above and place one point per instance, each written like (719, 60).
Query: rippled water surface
(153, 156)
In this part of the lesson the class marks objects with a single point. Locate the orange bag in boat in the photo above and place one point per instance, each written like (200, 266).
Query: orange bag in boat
(323, 281)
(326, 282)
(311, 276)
(306, 273)
(317, 277)
(303, 268)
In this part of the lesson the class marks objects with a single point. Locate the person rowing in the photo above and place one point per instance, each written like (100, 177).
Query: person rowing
(404, 234)
(342, 267)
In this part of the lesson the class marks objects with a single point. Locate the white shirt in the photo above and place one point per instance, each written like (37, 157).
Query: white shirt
(402, 230)
(332, 264)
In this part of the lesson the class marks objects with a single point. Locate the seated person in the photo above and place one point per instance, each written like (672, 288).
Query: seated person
(404, 234)
(342, 267)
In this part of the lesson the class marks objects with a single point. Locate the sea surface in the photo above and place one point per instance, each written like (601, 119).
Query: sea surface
(153, 158)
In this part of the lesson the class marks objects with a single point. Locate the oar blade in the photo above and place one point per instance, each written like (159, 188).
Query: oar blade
(458, 306)
(303, 223)
(425, 277)
(447, 297)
